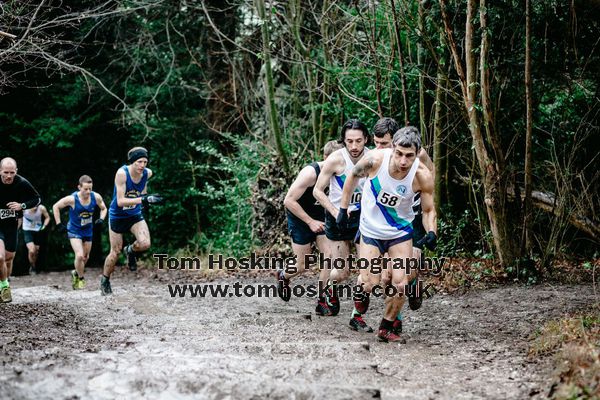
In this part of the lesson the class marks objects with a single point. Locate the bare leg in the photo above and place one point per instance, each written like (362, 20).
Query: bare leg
(3, 274)
(142, 236)
(300, 251)
(393, 303)
(116, 244)
(400, 280)
(32, 253)
(9, 258)
(82, 253)
(340, 250)
(367, 280)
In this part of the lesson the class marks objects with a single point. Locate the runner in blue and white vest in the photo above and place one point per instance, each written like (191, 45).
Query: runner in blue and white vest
(336, 169)
(125, 213)
(80, 228)
(383, 132)
(393, 176)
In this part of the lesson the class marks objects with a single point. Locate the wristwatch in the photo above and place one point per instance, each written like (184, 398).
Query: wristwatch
(23, 206)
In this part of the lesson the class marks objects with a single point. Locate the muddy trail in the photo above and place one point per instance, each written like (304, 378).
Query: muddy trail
(57, 343)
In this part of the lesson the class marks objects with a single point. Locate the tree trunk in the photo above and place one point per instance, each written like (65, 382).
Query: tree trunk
(307, 68)
(437, 135)
(269, 85)
(491, 165)
(421, 64)
(526, 235)
(401, 63)
(375, 59)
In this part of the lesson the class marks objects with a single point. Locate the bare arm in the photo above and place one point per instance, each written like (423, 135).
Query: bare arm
(66, 201)
(362, 169)
(120, 183)
(101, 205)
(150, 174)
(330, 168)
(46, 216)
(425, 159)
(427, 205)
(306, 178)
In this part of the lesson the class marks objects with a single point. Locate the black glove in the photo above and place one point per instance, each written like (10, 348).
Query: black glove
(154, 198)
(99, 222)
(428, 241)
(62, 227)
(342, 218)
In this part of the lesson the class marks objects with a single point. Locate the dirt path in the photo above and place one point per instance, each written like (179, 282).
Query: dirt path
(141, 343)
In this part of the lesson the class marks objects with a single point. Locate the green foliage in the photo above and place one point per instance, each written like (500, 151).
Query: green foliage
(458, 235)
(230, 231)
(184, 85)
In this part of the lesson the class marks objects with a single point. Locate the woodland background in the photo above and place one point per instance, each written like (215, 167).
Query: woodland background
(233, 97)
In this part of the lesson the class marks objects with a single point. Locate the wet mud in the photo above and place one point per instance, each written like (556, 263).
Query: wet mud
(56, 343)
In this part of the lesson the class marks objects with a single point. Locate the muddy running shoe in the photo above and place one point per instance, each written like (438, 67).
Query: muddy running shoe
(359, 324)
(385, 335)
(105, 288)
(323, 309)
(283, 286)
(5, 295)
(131, 258)
(81, 284)
(333, 301)
(397, 329)
(414, 302)
(74, 279)
(362, 304)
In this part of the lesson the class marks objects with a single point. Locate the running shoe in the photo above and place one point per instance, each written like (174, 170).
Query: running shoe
(397, 329)
(74, 279)
(358, 324)
(385, 335)
(131, 258)
(283, 286)
(362, 305)
(323, 309)
(81, 284)
(5, 295)
(105, 288)
(333, 301)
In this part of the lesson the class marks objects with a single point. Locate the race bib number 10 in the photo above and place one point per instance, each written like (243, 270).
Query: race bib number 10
(7, 213)
(356, 197)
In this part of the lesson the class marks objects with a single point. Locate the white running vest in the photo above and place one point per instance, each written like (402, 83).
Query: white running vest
(32, 220)
(336, 184)
(387, 203)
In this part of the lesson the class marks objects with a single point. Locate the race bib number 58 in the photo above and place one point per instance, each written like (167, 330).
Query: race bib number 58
(388, 199)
